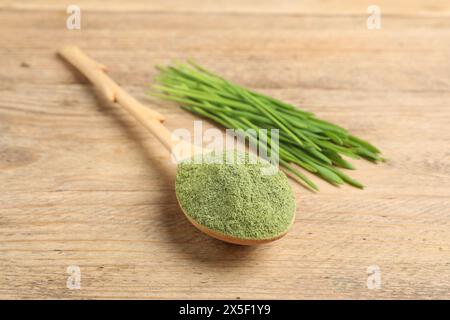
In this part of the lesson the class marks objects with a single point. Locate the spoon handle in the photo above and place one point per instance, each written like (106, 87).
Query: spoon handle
(95, 72)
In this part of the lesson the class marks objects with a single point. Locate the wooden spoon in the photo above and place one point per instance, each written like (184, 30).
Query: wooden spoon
(151, 120)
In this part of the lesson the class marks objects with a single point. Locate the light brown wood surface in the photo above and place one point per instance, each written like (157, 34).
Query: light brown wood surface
(82, 183)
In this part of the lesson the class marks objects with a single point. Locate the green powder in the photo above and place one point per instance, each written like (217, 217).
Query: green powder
(237, 199)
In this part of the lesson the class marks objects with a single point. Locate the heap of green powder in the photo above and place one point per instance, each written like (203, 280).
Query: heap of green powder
(235, 197)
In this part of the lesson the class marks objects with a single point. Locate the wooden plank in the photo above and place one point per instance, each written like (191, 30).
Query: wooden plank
(82, 184)
(315, 7)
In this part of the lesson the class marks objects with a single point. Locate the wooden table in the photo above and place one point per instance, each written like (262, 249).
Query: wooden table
(82, 184)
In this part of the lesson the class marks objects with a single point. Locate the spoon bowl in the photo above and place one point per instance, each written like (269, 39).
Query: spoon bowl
(231, 239)
(235, 197)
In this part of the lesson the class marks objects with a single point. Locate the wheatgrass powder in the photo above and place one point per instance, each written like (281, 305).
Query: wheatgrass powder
(235, 196)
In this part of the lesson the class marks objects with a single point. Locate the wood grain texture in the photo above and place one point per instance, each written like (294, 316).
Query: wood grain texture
(83, 184)
(310, 7)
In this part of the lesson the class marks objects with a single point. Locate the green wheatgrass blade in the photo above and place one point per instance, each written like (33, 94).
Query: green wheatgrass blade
(284, 155)
(300, 125)
(213, 108)
(256, 94)
(187, 73)
(319, 155)
(281, 120)
(364, 144)
(285, 164)
(335, 138)
(331, 174)
(293, 111)
(321, 169)
(206, 114)
(342, 150)
(338, 160)
(313, 144)
(304, 156)
(328, 173)
(315, 135)
(324, 173)
(301, 178)
(285, 158)
(280, 104)
(346, 178)
(235, 113)
(201, 103)
(328, 126)
(288, 107)
(306, 152)
(332, 177)
(369, 155)
(301, 135)
(216, 82)
(204, 96)
(266, 111)
(202, 70)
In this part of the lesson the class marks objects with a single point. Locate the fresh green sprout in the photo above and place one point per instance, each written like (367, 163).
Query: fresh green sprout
(313, 144)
